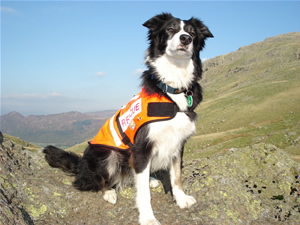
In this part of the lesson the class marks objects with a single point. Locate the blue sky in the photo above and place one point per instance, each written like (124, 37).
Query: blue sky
(60, 56)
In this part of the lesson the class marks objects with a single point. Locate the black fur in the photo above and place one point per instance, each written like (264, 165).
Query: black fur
(90, 170)
(103, 167)
(141, 150)
(157, 44)
(58, 158)
(91, 173)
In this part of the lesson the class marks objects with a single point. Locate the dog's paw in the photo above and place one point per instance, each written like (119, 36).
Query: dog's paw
(110, 196)
(150, 222)
(185, 201)
(147, 218)
(154, 182)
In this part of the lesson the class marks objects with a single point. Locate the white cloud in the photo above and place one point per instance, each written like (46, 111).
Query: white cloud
(204, 59)
(54, 94)
(7, 10)
(138, 71)
(100, 74)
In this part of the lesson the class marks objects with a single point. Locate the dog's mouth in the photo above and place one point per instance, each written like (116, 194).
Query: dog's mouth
(183, 48)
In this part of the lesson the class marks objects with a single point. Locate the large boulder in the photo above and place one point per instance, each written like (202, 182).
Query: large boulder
(253, 185)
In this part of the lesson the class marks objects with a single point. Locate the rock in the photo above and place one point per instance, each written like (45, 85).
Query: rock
(253, 185)
(1, 138)
(258, 184)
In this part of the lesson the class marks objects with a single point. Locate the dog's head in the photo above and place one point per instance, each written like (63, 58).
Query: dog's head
(181, 39)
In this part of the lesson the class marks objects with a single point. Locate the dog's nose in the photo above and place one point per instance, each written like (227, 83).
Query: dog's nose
(185, 39)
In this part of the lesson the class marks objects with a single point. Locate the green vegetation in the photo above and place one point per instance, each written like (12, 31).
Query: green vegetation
(79, 148)
(251, 96)
(23, 143)
(79, 125)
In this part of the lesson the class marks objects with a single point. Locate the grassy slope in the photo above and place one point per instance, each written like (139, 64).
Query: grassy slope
(25, 144)
(79, 148)
(251, 95)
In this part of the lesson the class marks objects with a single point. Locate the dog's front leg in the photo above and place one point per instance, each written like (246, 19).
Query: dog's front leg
(143, 198)
(182, 200)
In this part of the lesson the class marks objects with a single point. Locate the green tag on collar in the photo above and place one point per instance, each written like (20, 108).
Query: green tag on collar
(190, 100)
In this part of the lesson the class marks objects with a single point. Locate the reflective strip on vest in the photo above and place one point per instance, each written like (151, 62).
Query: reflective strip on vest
(120, 130)
(114, 132)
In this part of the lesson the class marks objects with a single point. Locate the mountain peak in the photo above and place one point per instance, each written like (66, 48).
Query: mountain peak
(14, 114)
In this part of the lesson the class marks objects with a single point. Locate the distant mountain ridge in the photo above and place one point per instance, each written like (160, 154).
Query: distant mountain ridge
(63, 129)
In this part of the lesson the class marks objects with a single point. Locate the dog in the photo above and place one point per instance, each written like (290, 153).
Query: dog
(149, 133)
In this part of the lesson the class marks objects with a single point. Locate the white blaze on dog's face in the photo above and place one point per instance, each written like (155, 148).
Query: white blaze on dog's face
(174, 64)
(173, 53)
(174, 37)
(180, 43)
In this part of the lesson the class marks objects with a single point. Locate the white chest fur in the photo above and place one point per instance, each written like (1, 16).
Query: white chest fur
(168, 137)
(174, 72)
(180, 100)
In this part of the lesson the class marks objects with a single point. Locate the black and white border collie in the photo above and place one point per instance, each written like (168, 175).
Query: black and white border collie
(173, 61)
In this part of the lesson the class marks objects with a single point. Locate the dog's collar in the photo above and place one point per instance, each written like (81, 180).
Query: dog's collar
(166, 88)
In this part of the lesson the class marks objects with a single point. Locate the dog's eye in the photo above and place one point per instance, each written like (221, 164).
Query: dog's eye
(170, 29)
(193, 34)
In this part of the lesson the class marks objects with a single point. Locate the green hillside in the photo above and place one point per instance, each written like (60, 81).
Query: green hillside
(251, 95)
(23, 143)
(79, 148)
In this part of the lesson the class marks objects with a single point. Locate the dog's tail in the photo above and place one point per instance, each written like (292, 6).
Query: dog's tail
(64, 160)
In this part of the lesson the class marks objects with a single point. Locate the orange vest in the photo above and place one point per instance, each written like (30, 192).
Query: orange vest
(120, 130)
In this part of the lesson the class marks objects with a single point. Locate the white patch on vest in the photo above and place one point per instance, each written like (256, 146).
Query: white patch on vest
(133, 98)
(114, 132)
(128, 116)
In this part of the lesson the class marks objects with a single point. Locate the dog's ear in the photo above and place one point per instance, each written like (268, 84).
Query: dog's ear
(206, 32)
(157, 21)
(201, 28)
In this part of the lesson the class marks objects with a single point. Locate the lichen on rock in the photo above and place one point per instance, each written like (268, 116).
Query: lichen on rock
(254, 185)
(257, 183)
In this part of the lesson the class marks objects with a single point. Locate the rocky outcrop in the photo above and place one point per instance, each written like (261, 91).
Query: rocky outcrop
(253, 185)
